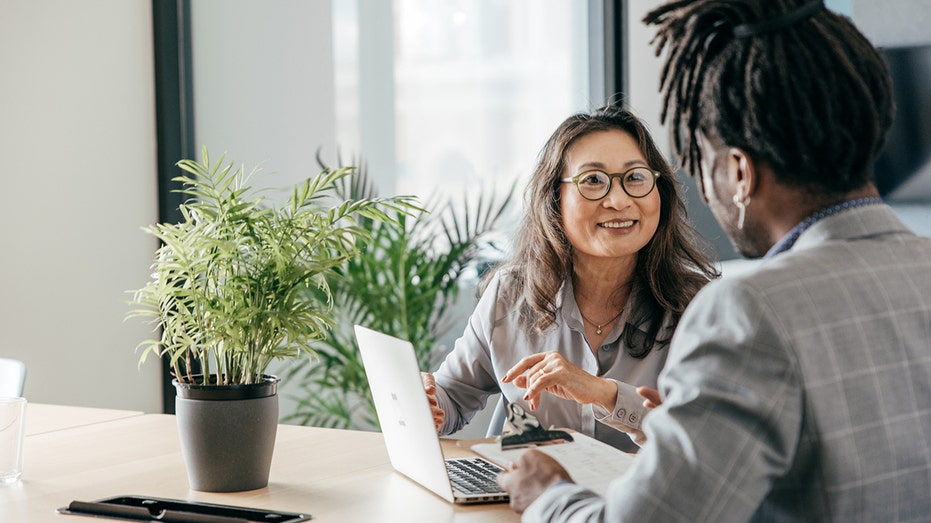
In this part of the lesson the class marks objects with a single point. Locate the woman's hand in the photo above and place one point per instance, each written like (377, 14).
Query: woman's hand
(429, 385)
(551, 372)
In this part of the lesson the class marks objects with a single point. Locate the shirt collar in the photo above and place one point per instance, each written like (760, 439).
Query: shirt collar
(789, 239)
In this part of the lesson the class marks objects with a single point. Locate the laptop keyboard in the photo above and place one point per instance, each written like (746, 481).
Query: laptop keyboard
(473, 475)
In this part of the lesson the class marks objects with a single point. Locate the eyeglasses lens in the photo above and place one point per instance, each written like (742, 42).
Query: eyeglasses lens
(637, 183)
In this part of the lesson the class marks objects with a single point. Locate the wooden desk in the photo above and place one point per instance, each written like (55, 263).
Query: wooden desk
(335, 475)
(41, 417)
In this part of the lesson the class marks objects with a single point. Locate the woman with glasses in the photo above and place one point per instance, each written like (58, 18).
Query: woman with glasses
(579, 317)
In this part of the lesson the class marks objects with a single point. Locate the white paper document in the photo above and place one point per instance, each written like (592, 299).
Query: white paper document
(591, 463)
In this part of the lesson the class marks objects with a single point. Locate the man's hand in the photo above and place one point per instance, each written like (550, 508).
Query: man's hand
(429, 385)
(651, 398)
(529, 476)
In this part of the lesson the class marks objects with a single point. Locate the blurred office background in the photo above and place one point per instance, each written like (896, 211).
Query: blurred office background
(98, 98)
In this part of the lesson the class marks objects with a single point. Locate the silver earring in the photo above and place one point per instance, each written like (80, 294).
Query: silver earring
(741, 209)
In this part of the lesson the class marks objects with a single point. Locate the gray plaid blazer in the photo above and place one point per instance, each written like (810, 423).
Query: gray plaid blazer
(800, 391)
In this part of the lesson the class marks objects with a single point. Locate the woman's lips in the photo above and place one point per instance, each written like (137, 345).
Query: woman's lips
(617, 224)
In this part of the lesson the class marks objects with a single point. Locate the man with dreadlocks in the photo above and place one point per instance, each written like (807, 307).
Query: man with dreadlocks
(800, 391)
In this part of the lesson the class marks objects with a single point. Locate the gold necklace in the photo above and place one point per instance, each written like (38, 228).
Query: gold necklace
(598, 327)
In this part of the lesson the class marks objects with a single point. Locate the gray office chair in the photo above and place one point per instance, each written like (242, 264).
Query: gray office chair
(12, 377)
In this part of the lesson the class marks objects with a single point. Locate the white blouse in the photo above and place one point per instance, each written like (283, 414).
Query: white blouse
(495, 340)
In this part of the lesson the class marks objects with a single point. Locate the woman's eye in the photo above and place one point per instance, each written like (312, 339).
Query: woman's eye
(636, 177)
(593, 179)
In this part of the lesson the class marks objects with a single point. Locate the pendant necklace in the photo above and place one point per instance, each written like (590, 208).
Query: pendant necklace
(598, 327)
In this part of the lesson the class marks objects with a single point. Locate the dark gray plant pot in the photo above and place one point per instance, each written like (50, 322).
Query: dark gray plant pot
(227, 434)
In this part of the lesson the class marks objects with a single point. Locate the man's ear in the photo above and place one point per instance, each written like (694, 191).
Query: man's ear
(741, 172)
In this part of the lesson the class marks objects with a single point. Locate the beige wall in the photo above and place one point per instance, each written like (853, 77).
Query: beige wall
(77, 146)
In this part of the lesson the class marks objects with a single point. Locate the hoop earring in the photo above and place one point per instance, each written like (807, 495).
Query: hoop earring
(741, 209)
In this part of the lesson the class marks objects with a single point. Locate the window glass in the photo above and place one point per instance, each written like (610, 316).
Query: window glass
(457, 95)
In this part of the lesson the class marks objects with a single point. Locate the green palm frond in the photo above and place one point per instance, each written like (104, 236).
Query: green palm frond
(403, 283)
(237, 284)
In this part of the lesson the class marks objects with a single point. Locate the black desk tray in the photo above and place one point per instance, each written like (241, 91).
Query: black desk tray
(142, 508)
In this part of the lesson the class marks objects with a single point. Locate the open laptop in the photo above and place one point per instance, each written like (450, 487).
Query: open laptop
(407, 425)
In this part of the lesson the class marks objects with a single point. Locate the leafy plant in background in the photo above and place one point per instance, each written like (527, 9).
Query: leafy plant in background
(403, 284)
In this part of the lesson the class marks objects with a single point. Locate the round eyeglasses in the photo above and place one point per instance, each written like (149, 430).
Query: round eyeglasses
(595, 185)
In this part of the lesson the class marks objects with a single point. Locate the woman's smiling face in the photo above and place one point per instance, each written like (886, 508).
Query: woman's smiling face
(617, 225)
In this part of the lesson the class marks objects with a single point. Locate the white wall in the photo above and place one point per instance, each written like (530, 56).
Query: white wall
(77, 143)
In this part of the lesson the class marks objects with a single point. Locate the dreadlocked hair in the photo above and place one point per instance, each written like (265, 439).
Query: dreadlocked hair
(813, 99)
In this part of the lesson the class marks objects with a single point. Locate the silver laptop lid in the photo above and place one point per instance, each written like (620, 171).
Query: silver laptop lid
(403, 411)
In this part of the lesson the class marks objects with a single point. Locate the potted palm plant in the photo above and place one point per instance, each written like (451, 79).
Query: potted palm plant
(236, 284)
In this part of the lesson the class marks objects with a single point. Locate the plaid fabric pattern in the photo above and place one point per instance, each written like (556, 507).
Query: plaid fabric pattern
(797, 392)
